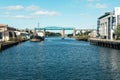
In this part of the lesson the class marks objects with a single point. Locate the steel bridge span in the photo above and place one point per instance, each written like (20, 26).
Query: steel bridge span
(62, 30)
(56, 28)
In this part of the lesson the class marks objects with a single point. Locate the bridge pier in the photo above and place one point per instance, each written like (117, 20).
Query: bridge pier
(63, 34)
(44, 32)
(74, 33)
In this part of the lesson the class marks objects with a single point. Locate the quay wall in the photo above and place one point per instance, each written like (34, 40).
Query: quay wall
(6, 45)
(105, 43)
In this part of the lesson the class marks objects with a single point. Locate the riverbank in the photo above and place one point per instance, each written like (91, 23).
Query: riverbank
(5, 45)
(82, 38)
(105, 43)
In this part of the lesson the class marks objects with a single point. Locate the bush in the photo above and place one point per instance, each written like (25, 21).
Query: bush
(117, 31)
(82, 38)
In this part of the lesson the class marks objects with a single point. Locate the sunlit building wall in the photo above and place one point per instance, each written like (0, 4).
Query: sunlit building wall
(107, 23)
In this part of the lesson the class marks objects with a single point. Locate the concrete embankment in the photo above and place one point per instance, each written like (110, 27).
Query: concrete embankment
(5, 45)
(106, 43)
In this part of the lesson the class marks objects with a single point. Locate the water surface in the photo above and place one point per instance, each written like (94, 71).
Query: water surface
(57, 59)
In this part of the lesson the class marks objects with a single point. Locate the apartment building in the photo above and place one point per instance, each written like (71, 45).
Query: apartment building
(107, 24)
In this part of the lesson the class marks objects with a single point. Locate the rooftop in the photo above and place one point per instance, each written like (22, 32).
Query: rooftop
(2, 25)
(106, 14)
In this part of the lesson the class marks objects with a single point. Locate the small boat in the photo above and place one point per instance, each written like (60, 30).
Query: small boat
(36, 38)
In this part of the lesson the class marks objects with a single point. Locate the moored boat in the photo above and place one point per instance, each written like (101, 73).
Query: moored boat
(37, 37)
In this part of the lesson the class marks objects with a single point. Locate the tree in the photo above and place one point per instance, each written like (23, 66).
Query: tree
(52, 34)
(70, 35)
(117, 31)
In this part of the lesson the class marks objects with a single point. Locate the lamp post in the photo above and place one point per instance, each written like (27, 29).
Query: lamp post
(4, 33)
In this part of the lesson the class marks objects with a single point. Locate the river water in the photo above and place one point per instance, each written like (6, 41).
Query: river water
(57, 59)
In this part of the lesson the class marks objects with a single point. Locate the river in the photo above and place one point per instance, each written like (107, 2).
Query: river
(57, 59)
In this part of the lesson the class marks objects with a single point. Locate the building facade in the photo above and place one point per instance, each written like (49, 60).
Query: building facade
(93, 34)
(7, 33)
(107, 24)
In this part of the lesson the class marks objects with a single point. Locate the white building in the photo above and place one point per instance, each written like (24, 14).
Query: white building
(7, 33)
(107, 24)
(93, 34)
(23, 35)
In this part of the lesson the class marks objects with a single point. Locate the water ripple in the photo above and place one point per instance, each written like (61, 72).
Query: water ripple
(56, 59)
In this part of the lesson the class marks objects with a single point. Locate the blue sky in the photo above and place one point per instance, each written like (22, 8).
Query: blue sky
(66, 13)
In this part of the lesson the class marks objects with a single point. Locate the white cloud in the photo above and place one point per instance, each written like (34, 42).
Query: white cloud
(32, 8)
(98, 5)
(17, 7)
(20, 16)
(26, 12)
(21, 7)
(45, 13)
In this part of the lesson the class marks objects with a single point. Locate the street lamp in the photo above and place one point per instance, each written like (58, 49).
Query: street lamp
(4, 32)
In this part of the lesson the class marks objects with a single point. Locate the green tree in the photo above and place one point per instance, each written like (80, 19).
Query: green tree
(70, 35)
(117, 31)
(52, 34)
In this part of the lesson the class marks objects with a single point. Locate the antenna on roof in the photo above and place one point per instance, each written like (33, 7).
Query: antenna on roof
(38, 24)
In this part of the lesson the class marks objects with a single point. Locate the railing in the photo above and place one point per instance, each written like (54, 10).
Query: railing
(55, 28)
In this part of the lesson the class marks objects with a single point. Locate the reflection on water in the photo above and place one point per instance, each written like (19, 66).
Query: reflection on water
(57, 59)
(110, 63)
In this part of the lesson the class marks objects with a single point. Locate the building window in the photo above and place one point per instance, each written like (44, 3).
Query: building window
(0, 35)
(10, 34)
(118, 18)
(15, 34)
